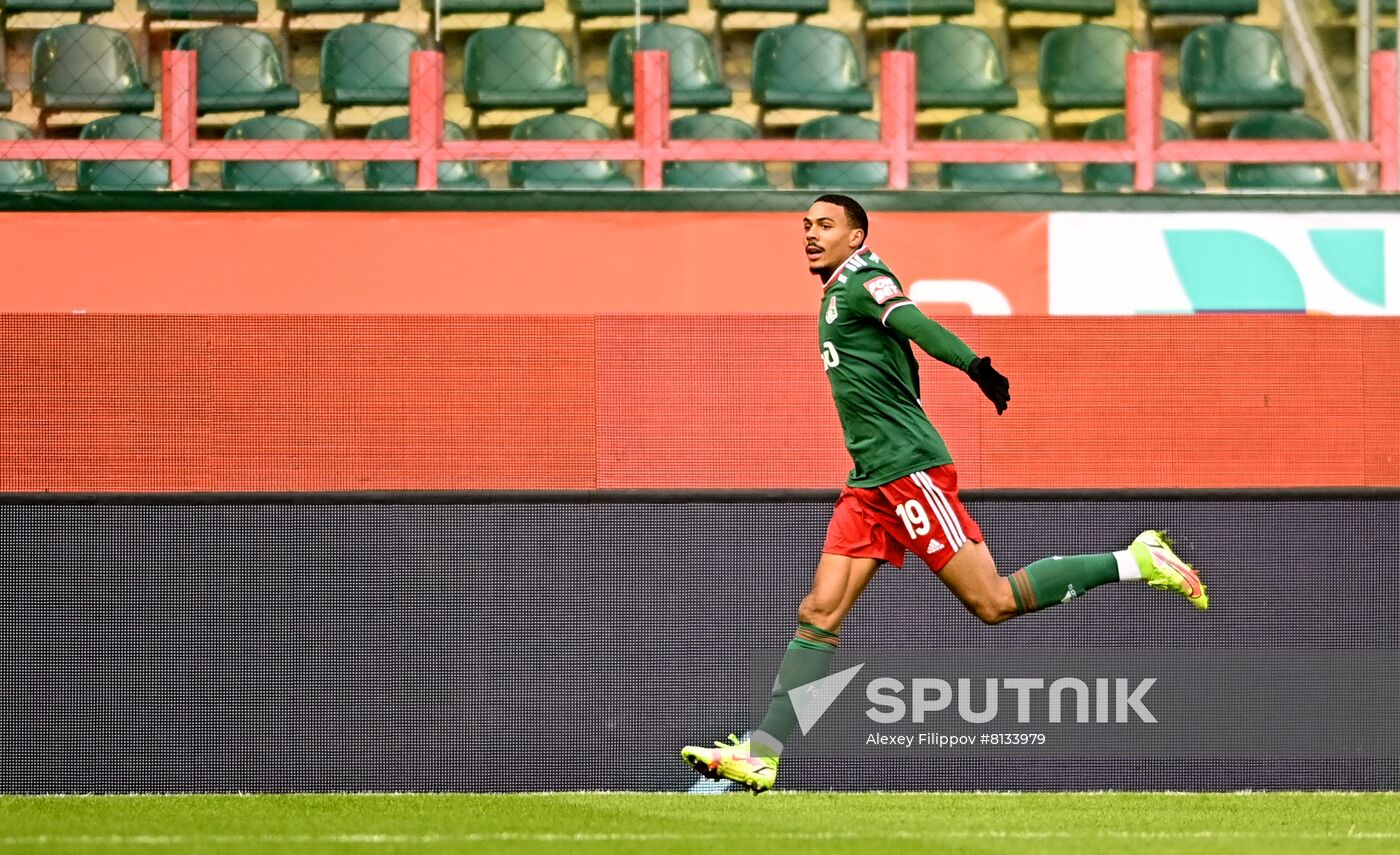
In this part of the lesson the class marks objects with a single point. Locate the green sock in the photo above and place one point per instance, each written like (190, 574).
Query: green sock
(808, 658)
(1051, 581)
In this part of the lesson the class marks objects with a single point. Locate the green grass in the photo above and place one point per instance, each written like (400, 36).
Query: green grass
(731, 824)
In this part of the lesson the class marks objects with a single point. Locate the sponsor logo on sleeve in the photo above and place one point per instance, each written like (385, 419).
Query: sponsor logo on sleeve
(883, 289)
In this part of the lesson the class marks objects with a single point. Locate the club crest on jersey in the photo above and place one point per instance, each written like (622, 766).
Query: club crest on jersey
(882, 289)
(831, 310)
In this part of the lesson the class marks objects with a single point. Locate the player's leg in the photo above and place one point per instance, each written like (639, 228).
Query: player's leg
(855, 548)
(836, 586)
(753, 763)
(932, 521)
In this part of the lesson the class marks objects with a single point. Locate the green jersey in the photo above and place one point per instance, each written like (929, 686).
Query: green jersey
(865, 327)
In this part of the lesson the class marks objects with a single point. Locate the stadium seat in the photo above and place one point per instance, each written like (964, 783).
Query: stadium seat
(1114, 177)
(403, 175)
(515, 67)
(89, 68)
(1195, 9)
(840, 175)
(957, 66)
(807, 67)
(695, 77)
(900, 8)
(85, 9)
(365, 65)
(587, 10)
(239, 69)
(294, 8)
(723, 8)
(1281, 176)
(1231, 66)
(995, 176)
(1085, 65)
(6, 100)
(710, 175)
(119, 175)
(564, 174)
(1087, 8)
(192, 10)
(277, 175)
(1348, 7)
(513, 8)
(22, 176)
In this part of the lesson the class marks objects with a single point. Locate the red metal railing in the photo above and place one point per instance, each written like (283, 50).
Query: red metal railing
(652, 146)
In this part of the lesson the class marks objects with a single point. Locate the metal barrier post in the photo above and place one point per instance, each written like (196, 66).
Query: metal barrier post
(425, 113)
(178, 112)
(651, 100)
(1144, 110)
(1384, 118)
(897, 112)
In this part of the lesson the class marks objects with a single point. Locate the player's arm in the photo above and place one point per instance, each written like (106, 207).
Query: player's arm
(939, 342)
(932, 337)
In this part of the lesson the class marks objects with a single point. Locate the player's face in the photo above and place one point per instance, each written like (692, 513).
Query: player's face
(830, 239)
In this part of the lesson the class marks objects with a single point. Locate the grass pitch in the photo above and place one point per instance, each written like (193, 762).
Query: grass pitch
(806, 823)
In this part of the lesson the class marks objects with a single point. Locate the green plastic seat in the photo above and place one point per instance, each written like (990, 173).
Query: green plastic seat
(1385, 39)
(1113, 177)
(120, 175)
(841, 175)
(6, 99)
(724, 8)
(200, 10)
(1281, 176)
(513, 8)
(89, 68)
(564, 174)
(277, 175)
(86, 8)
(899, 8)
(1084, 66)
(995, 176)
(801, 7)
(1088, 8)
(807, 67)
(706, 175)
(957, 66)
(366, 65)
(239, 69)
(695, 77)
(1348, 7)
(1213, 8)
(21, 176)
(336, 7)
(516, 67)
(403, 175)
(1231, 66)
(615, 8)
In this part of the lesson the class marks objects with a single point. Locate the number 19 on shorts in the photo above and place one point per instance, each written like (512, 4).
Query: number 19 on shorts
(915, 517)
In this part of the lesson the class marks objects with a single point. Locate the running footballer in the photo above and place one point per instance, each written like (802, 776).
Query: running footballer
(902, 493)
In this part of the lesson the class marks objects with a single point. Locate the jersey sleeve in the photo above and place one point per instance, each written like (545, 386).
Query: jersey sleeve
(876, 296)
(881, 298)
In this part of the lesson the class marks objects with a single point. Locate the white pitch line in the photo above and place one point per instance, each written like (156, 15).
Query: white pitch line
(623, 837)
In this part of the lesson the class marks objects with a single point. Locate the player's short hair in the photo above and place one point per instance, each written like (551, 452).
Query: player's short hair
(855, 214)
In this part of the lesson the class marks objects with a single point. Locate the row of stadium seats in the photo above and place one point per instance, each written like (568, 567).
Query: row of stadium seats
(1224, 66)
(320, 175)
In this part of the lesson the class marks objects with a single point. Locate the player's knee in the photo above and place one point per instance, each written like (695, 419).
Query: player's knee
(816, 610)
(993, 609)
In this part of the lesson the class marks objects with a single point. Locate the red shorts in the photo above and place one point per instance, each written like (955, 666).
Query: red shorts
(919, 512)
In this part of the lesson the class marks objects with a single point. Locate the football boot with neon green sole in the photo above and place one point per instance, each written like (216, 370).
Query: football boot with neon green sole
(1163, 569)
(731, 760)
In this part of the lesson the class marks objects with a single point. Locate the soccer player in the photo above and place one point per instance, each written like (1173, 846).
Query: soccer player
(903, 492)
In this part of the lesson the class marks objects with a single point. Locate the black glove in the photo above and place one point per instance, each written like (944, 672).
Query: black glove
(991, 381)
